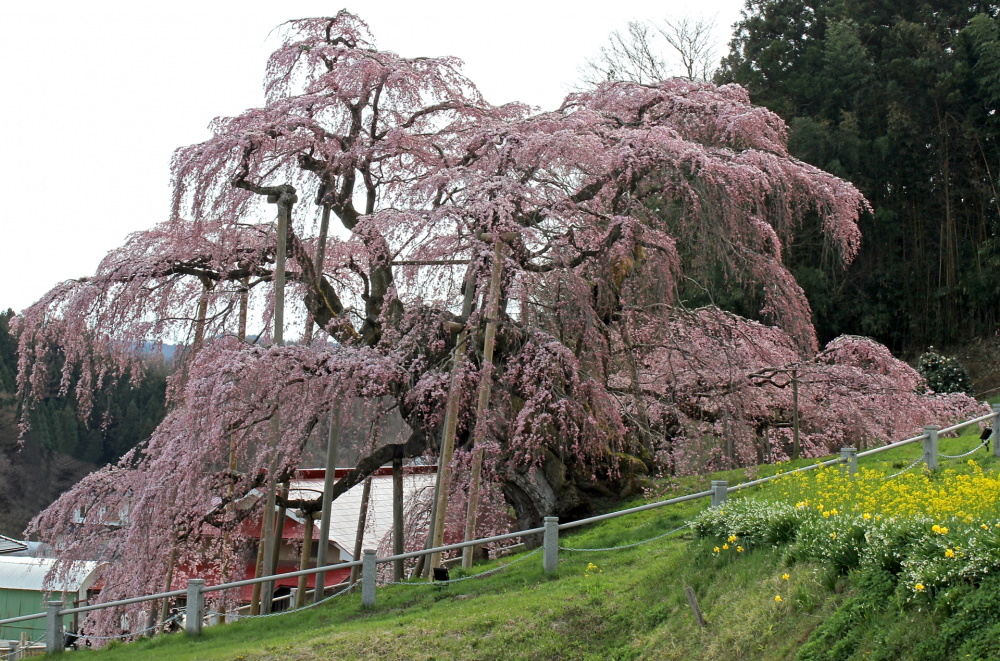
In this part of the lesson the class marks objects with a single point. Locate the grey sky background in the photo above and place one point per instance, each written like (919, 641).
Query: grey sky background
(97, 95)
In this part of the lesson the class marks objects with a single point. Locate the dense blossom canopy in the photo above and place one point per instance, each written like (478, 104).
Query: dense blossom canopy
(601, 205)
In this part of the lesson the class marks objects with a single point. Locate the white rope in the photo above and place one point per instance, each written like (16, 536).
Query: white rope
(300, 608)
(628, 546)
(172, 618)
(959, 456)
(889, 477)
(488, 572)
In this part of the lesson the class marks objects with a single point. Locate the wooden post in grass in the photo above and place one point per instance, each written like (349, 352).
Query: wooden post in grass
(693, 602)
(931, 447)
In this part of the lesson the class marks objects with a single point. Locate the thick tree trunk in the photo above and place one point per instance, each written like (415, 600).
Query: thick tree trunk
(552, 489)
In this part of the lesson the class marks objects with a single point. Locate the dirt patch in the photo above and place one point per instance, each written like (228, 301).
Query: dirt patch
(981, 358)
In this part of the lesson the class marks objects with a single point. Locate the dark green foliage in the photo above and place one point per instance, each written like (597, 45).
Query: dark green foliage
(60, 448)
(839, 637)
(900, 99)
(969, 627)
(944, 374)
(123, 415)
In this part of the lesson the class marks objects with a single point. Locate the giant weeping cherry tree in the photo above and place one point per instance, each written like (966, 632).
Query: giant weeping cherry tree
(581, 217)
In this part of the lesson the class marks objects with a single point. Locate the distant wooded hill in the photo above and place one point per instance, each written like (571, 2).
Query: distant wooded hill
(60, 448)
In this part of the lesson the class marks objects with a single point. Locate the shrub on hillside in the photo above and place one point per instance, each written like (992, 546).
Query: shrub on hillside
(944, 374)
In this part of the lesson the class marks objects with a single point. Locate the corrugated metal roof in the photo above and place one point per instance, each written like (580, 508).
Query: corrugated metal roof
(8, 545)
(347, 507)
(29, 574)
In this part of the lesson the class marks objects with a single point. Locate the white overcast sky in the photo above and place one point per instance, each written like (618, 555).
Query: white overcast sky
(96, 95)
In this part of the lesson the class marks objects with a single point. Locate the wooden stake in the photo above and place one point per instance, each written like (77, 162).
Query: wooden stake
(693, 602)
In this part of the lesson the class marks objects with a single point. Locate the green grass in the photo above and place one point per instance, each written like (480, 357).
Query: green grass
(632, 606)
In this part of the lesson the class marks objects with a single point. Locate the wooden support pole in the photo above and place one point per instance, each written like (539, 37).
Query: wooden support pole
(307, 538)
(274, 552)
(448, 449)
(483, 400)
(397, 517)
(795, 414)
(171, 561)
(440, 509)
(366, 492)
(330, 477)
(285, 201)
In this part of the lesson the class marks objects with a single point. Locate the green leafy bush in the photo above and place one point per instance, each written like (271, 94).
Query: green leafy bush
(944, 374)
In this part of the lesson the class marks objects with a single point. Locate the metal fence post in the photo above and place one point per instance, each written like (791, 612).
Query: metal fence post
(849, 459)
(931, 447)
(368, 568)
(996, 428)
(12, 652)
(195, 606)
(53, 627)
(550, 541)
(719, 492)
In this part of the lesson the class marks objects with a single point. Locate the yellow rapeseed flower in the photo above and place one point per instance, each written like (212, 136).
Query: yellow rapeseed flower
(778, 598)
(785, 577)
(725, 547)
(715, 550)
(739, 549)
(948, 553)
(732, 538)
(919, 587)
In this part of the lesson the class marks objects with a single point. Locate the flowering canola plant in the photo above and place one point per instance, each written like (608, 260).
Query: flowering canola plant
(931, 530)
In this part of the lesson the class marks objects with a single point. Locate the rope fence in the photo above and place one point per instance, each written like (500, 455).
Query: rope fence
(627, 546)
(196, 589)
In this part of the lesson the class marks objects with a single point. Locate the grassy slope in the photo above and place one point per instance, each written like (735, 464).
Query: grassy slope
(631, 607)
